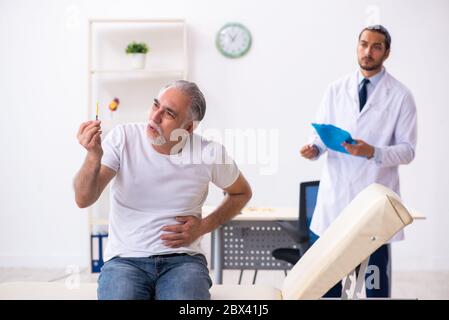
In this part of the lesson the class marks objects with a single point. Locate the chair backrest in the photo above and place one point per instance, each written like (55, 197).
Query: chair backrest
(308, 192)
(372, 218)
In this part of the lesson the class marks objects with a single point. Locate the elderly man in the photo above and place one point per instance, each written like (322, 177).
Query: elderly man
(161, 182)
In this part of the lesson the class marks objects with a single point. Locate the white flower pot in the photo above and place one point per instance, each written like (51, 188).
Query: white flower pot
(138, 60)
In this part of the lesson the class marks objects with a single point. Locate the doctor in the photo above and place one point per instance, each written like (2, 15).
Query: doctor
(380, 112)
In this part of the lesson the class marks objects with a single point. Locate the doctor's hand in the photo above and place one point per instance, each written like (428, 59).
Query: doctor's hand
(309, 151)
(182, 234)
(362, 149)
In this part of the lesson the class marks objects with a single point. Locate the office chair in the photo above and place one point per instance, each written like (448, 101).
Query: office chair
(299, 230)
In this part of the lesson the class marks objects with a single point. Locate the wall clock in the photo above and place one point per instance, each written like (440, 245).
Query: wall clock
(233, 40)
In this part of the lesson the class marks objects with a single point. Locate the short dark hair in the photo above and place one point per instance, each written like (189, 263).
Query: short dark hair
(379, 29)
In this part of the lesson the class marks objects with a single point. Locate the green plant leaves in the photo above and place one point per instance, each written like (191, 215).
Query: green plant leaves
(137, 47)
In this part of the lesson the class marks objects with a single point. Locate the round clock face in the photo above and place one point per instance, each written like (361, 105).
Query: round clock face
(233, 40)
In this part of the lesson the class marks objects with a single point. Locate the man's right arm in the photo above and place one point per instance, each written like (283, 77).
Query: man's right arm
(93, 176)
(90, 181)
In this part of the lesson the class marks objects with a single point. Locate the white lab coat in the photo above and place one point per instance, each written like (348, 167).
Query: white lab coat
(387, 122)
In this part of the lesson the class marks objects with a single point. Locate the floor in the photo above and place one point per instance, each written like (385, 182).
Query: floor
(406, 285)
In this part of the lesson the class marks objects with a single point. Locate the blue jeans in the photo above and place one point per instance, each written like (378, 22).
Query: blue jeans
(163, 277)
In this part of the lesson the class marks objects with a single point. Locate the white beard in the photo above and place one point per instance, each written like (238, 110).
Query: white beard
(158, 141)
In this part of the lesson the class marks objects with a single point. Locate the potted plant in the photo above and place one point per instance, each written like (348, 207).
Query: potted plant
(137, 51)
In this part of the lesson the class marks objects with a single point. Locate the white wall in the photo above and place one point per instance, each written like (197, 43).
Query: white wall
(298, 48)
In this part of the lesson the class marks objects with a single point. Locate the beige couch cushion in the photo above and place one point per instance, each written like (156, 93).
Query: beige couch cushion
(244, 292)
(46, 291)
(88, 291)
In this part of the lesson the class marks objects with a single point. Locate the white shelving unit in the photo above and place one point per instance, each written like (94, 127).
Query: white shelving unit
(110, 75)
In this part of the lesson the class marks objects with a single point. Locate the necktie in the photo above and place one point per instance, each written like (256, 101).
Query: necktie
(363, 94)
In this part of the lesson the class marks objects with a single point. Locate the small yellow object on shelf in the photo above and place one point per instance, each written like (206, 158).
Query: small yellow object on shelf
(114, 104)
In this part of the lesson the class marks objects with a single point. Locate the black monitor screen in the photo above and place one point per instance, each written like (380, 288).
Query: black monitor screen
(311, 193)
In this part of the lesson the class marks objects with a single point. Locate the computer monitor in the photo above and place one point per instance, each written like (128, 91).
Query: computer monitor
(308, 193)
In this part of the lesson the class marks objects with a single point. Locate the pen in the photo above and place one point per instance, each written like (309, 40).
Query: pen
(96, 115)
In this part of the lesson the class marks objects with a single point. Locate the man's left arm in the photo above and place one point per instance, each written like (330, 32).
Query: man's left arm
(237, 196)
(405, 136)
(191, 228)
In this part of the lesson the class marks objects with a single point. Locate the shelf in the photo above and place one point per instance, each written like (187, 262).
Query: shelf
(152, 21)
(147, 74)
(166, 40)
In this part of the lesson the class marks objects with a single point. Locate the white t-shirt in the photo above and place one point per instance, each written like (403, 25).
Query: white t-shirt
(151, 189)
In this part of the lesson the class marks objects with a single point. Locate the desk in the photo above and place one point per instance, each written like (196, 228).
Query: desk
(248, 215)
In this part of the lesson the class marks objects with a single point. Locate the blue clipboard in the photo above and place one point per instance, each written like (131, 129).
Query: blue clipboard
(333, 136)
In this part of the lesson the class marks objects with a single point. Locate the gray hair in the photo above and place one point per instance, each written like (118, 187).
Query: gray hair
(197, 100)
